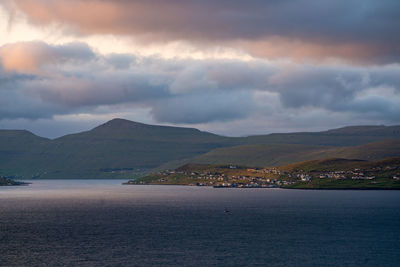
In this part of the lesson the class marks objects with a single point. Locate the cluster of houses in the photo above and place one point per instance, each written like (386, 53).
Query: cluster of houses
(242, 185)
(271, 177)
(355, 174)
(219, 179)
(272, 170)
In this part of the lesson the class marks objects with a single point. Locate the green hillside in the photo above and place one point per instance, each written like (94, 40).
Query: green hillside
(279, 154)
(335, 164)
(125, 149)
(258, 155)
(331, 164)
(346, 136)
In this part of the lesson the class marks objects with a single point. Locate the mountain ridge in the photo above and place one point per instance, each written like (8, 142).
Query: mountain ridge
(121, 148)
(121, 122)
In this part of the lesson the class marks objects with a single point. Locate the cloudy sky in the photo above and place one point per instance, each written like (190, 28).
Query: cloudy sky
(232, 67)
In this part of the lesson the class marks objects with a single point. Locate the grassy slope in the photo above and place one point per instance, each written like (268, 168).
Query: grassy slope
(347, 136)
(257, 155)
(334, 164)
(279, 154)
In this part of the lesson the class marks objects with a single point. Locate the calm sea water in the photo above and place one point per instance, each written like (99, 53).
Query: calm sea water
(103, 223)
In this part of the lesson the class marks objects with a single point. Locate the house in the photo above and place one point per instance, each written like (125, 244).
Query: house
(304, 177)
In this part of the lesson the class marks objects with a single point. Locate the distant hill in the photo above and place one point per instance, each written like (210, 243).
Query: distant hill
(124, 149)
(346, 136)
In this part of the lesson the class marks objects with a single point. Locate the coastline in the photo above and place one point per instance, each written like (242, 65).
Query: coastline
(286, 188)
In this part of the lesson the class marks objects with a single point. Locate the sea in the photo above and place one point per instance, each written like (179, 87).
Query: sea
(105, 223)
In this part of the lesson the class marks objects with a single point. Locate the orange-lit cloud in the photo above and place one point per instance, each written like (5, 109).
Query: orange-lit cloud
(30, 57)
(305, 51)
(23, 58)
(358, 31)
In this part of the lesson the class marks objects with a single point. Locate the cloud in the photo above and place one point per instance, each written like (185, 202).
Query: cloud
(120, 61)
(31, 57)
(358, 31)
(203, 108)
(339, 88)
(72, 79)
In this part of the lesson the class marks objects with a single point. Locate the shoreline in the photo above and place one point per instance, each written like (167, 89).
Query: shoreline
(226, 187)
(349, 188)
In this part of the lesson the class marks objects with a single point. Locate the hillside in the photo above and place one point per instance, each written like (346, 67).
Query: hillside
(258, 155)
(346, 136)
(18, 151)
(125, 149)
(279, 154)
(334, 164)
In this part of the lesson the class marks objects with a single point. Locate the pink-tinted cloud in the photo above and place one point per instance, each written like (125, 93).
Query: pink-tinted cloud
(303, 50)
(31, 57)
(355, 30)
(23, 57)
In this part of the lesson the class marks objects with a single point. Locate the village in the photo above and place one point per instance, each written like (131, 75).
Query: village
(354, 174)
(232, 176)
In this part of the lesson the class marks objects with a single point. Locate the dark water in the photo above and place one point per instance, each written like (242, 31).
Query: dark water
(102, 223)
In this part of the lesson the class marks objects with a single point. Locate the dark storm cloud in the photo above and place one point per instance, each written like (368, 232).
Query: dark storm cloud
(354, 30)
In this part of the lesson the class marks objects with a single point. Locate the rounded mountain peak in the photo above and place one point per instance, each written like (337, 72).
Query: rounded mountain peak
(121, 123)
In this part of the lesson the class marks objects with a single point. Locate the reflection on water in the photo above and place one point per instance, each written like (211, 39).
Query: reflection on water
(101, 222)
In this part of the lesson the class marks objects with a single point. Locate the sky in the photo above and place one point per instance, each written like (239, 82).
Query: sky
(230, 67)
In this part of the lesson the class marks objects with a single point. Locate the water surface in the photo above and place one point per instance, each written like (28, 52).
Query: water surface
(101, 222)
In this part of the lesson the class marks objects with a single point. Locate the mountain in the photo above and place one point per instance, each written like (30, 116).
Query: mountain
(116, 148)
(124, 149)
